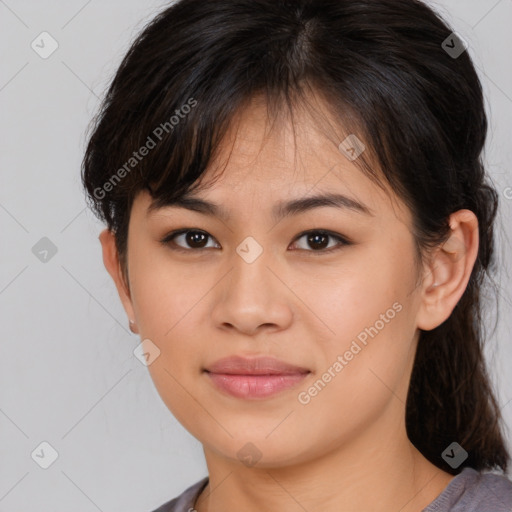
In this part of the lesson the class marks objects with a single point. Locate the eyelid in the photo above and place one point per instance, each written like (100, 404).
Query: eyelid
(342, 240)
(168, 239)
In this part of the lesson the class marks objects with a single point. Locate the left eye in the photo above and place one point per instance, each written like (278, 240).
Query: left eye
(320, 240)
(196, 239)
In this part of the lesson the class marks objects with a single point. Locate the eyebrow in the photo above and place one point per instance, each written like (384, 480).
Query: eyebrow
(279, 211)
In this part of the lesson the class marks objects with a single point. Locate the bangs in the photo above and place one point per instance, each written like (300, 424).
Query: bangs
(195, 66)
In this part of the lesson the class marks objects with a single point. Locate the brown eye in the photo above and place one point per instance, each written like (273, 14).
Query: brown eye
(318, 241)
(189, 239)
(196, 239)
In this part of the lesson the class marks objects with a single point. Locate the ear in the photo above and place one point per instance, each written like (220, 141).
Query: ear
(448, 271)
(113, 266)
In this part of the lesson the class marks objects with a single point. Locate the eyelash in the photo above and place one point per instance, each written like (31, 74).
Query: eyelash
(168, 240)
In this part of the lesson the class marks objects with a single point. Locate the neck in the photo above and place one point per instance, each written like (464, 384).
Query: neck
(373, 472)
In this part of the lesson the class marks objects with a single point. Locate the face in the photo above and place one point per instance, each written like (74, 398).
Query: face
(328, 289)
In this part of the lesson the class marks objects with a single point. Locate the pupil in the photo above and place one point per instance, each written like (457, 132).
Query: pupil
(314, 239)
(192, 238)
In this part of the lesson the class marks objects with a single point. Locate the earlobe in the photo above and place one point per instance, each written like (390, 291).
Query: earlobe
(448, 271)
(111, 262)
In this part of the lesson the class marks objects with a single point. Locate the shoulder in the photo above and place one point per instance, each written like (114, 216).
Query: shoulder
(474, 491)
(491, 488)
(185, 501)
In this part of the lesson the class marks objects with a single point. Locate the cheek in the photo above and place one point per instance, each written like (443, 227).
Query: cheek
(363, 291)
(365, 373)
(163, 293)
(168, 300)
(369, 316)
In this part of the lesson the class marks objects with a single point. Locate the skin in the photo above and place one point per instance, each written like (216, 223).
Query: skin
(301, 306)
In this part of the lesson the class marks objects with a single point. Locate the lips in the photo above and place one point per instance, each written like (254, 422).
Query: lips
(236, 365)
(255, 378)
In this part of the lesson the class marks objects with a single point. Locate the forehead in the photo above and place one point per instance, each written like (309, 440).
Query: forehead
(274, 150)
(285, 160)
(261, 165)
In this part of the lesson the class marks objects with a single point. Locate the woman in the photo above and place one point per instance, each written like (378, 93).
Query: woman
(298, 225)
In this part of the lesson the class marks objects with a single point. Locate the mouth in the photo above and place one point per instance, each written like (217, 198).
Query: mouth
(256, 378)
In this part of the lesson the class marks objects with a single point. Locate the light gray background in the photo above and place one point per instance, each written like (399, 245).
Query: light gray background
(68, 375)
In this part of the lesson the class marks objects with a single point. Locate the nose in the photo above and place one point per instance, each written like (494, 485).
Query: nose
(253, 297)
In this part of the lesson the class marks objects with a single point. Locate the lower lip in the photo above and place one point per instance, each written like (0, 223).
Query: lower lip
(255, 386)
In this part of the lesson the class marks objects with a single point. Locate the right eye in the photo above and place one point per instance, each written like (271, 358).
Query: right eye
(193, 237)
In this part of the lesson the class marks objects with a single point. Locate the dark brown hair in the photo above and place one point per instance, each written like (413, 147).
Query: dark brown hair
(388, 75)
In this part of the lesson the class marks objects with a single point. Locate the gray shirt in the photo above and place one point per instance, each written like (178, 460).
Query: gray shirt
(469, 491)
